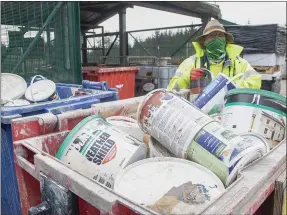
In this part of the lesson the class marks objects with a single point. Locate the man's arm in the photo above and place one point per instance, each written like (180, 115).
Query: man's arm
(181, 79)
(250, 78)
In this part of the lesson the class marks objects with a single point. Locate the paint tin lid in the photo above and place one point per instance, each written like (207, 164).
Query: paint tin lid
(41, 90)
(17, 102)
(12, 87)
(158, 150)
(169, 185)
(258, 92)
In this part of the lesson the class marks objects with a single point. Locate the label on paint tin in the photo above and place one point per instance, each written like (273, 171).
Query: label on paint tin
(218, 149)
(213, 94)
(264, 122)
(175, 123)
(100, 151)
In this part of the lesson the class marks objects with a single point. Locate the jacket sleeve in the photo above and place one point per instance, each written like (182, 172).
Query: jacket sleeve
(181, 79)
(250, 78)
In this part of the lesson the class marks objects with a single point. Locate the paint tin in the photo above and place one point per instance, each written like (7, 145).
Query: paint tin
(169, 185)
(41, 91)
(257, 111)
(171, 120)
(127, 125)
(17, 102)
(220, 150)
(12, 87)
(100, 150)
(158, 150)
(212, 97)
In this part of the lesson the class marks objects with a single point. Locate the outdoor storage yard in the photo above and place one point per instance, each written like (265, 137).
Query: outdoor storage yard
(164, 120)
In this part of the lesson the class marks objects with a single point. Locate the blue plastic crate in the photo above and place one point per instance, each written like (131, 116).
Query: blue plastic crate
(10, 201)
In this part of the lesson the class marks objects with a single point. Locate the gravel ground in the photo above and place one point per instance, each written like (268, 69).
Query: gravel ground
(283, 88)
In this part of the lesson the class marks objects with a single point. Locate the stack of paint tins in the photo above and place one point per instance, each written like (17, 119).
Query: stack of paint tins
(188, 133)
(101, 150)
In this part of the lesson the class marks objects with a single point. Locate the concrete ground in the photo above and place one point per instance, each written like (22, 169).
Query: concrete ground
(283, 88)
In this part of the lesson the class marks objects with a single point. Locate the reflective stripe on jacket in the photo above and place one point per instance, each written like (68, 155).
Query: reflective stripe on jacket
(231, 67)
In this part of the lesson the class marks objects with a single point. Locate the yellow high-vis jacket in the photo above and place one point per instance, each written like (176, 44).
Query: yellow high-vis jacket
(232, 66)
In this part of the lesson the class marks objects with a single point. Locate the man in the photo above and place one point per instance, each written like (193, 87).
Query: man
(215, 52)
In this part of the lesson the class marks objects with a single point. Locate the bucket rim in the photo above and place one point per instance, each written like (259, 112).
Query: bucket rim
(118, 179)
(256, 91)
(244, 134)
(72, 133)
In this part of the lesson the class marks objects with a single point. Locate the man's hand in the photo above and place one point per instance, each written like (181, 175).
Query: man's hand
(197, 74)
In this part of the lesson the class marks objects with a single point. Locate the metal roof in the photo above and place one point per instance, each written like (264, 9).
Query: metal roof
(94, 13)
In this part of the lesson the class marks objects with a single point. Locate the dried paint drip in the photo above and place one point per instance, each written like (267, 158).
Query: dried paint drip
(188, 188)
(264, 113)
(100, 150)
(171, 120)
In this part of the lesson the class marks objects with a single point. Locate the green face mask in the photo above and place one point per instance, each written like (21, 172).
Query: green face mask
(215, 49)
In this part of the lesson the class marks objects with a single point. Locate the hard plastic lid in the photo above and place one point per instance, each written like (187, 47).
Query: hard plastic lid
(155, 178)
(12, 86)
(41, 90)
(259, 92)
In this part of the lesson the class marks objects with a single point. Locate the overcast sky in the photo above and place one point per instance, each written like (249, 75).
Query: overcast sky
(239, 12)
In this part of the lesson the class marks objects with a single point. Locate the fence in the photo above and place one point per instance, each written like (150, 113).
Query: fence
(41, 38)
(175, 43)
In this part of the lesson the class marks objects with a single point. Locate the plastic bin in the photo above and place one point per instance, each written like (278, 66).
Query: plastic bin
(9, 188)
(122, 78)
(244, 196)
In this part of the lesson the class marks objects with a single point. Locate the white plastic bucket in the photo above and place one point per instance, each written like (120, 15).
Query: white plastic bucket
(17, 102)
(220, 150)
(128, 125)
(100, 150)
(42, 90)
(171, 120)
(212, 97)
(258, 111)
(158, 150)
(12, 87)
(169, 185)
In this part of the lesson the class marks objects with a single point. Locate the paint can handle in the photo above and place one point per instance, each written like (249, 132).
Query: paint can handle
(31, 84)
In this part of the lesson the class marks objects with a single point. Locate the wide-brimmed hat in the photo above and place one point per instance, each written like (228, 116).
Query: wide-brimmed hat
(214, 25)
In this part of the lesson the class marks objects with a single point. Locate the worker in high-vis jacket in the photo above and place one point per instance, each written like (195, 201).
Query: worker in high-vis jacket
(215, 53)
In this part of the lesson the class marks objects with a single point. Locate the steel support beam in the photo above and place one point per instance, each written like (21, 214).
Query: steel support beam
(140, 45)
(123, 32)
(204, 21)
(110, 48)
(84, 49)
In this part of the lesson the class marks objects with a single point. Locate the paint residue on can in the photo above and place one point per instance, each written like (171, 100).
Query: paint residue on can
(171, 120)
(169, 185)
(99, 150)
(263, 112)
(158, 150)
(221, 150)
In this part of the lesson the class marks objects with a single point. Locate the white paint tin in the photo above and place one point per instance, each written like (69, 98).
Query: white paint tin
(43, 90)
(212, 96)
(171, 120)
(100, 150)
(17, 102)
(257, 111)
(169, 185)
(127, 125)
(158, 150)
(220, 150)
(12, 87)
